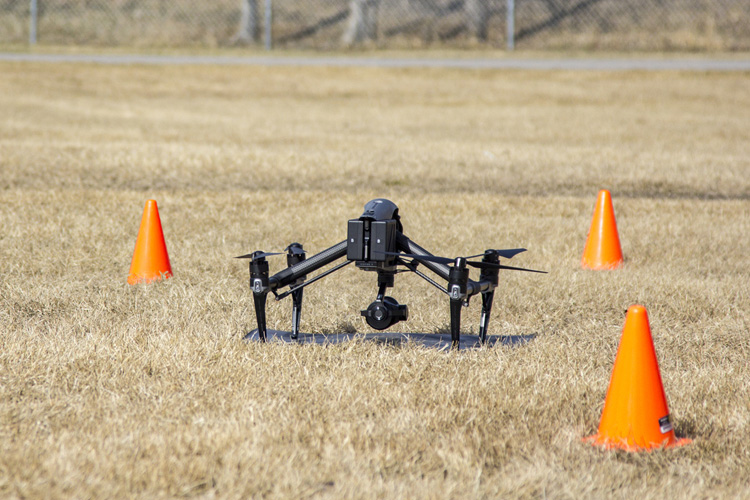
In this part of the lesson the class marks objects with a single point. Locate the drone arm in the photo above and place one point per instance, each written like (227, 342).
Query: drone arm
(413, 268)
(404, 244)
(408, 246)
(481, 286)
(298, 288)
(296, 271)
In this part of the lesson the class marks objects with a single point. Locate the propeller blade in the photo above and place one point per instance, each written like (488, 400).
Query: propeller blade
(507, 254)
(477, 264)
(295, 249)
(475, 256)
(257, 255)
(490, 265)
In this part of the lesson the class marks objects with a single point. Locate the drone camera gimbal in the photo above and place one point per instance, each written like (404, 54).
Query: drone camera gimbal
(376, 242)
(371, 244)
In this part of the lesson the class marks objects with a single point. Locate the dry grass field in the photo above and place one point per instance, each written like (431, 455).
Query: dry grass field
(109, 390)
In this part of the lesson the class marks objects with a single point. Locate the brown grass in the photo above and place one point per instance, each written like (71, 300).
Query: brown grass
(108, 390)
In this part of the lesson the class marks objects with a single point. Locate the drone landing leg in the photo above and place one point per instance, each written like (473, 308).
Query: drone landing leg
(456, 306)
(259, 286)
(296, 312)
(458, 281)
(485, 319)
(260, 314)
(295, 255)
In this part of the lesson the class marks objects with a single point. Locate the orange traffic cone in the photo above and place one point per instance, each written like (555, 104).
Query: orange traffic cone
(150, 259)
(635, 415)
(602, 250)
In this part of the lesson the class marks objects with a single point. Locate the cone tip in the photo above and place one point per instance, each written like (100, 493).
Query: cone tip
(636, 309)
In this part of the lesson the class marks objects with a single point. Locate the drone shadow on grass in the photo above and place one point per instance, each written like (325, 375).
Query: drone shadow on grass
(440, 341)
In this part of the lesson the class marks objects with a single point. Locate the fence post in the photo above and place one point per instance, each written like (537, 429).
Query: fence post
(510, 23)
(32, 22)
(268, 23)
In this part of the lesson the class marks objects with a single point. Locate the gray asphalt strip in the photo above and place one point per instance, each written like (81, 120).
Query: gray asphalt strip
(592, 64)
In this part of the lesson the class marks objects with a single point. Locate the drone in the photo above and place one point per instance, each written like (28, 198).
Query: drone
(376, 242)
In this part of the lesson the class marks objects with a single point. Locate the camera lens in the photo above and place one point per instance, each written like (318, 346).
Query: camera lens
(382, 314)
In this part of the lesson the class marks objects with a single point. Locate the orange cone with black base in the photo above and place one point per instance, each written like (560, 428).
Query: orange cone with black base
(635, 415)
(602, 250)
(150, 259)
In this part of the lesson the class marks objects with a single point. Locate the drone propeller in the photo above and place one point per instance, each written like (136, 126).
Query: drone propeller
(294, 249)
(257, 255)
(479, 265)
(506, 254)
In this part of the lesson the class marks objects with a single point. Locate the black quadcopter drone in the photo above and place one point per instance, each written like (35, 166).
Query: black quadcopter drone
(376, 242)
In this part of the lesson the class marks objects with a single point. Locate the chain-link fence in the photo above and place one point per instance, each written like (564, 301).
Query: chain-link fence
(335, 24)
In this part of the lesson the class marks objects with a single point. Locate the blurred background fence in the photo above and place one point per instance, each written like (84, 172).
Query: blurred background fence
(335, 24)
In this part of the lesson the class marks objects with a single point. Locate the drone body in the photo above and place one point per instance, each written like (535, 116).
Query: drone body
(375, 242)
